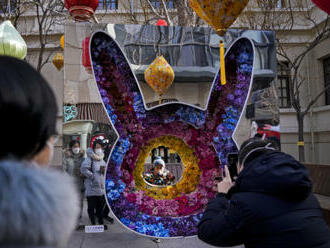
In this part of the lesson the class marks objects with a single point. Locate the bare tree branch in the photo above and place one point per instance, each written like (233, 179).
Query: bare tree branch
(315, 99)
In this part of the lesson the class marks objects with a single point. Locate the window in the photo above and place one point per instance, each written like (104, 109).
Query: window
(271, 4)
(158, 4)
(108, 4)
(283, 84)
(7, 6)
(280, 4)
(326, 66)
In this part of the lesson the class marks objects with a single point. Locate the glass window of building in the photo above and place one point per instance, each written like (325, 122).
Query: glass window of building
(283, 85)
(326, 66)
(158, 4)
(108, 4)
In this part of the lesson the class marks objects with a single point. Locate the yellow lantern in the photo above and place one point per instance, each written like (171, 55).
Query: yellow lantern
(159, 75)
(11, 42)
(58, 61)
(62, 41)
(220, 15)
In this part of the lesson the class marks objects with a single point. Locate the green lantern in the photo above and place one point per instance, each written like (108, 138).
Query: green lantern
(11, 42)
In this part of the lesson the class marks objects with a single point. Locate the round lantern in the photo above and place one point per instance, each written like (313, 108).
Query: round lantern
(159, 75)
(81, 10)
(86, 61)
(323, 5)
(161, 22)
(11, 42)
(58, 61)
(62, 41)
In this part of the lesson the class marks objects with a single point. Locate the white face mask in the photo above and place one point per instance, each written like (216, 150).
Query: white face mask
(76, 150)
(99, 151)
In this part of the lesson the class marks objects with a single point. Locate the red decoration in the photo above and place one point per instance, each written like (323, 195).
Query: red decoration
(323, 5)
(161, 22)
(95, 137)
(86, 61)
(81, 10)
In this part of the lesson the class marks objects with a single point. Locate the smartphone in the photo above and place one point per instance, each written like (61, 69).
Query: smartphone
(232, 160)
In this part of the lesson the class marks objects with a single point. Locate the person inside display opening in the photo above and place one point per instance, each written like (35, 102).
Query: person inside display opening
(158, 174)
(269, 205)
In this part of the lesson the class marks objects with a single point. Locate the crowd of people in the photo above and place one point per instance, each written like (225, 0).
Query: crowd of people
(88, 175)
(270, 204)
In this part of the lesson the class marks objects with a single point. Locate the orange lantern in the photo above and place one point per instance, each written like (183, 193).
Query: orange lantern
(62, 41)
(220, 15)
(58, 61)
(159, 76)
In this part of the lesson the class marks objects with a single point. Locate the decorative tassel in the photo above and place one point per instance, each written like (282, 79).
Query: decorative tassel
(222, 63)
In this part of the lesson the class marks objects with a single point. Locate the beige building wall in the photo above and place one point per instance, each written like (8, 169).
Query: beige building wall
(78, 85)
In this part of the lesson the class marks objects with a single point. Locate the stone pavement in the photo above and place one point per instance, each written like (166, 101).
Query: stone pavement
(119, 237)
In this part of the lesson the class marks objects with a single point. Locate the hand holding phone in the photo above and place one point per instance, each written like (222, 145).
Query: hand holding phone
(226, 183)
(232, 160)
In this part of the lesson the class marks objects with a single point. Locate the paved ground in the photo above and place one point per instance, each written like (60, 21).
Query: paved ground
(118, 237)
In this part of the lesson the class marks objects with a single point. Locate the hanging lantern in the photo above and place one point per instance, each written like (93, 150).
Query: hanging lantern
(220, 15)
(11, 42)
(86, 61)
(81, 10)
(159, 75)
(58, 61)
(161, 22)
(323, 5)
(62, 41)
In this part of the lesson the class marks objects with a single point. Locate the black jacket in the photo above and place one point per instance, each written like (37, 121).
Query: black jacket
(270, 206)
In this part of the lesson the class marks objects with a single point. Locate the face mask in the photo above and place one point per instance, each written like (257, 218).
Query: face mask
(99, 151)
(76, 150)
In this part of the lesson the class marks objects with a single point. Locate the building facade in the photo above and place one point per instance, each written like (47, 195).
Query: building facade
(315, 68)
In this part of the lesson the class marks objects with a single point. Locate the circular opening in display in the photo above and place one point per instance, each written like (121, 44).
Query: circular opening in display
(162, 168)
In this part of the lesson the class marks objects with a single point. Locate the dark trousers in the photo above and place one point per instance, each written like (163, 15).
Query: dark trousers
(94, 208)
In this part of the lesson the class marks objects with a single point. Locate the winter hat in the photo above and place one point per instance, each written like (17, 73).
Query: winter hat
(159, 161)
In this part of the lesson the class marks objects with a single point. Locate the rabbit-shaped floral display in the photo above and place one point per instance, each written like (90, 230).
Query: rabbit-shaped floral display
(202, 138)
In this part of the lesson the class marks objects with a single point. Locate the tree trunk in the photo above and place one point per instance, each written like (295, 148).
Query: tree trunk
(301, 144)
(181, 12)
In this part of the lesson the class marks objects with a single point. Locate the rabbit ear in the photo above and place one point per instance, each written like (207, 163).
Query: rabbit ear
(116, 82)
(239, 67)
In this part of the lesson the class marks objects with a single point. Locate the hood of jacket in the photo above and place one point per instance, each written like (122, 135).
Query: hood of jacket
(38, 206)
(275, 173)
(91, 154)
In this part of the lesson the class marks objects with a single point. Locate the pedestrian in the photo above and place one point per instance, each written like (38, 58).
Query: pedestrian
(38, 207)
(93, 168)
(269, 205)
(72, 160)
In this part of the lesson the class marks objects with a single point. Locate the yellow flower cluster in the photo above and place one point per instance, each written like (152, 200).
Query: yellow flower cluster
(191, 173)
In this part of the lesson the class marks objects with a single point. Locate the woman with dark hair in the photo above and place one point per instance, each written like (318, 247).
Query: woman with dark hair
(28, 110)
(38, 207)
(72, 160)
(269, 205)
(93, 168)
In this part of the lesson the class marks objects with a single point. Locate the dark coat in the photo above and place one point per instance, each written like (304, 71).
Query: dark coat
(270, 206)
